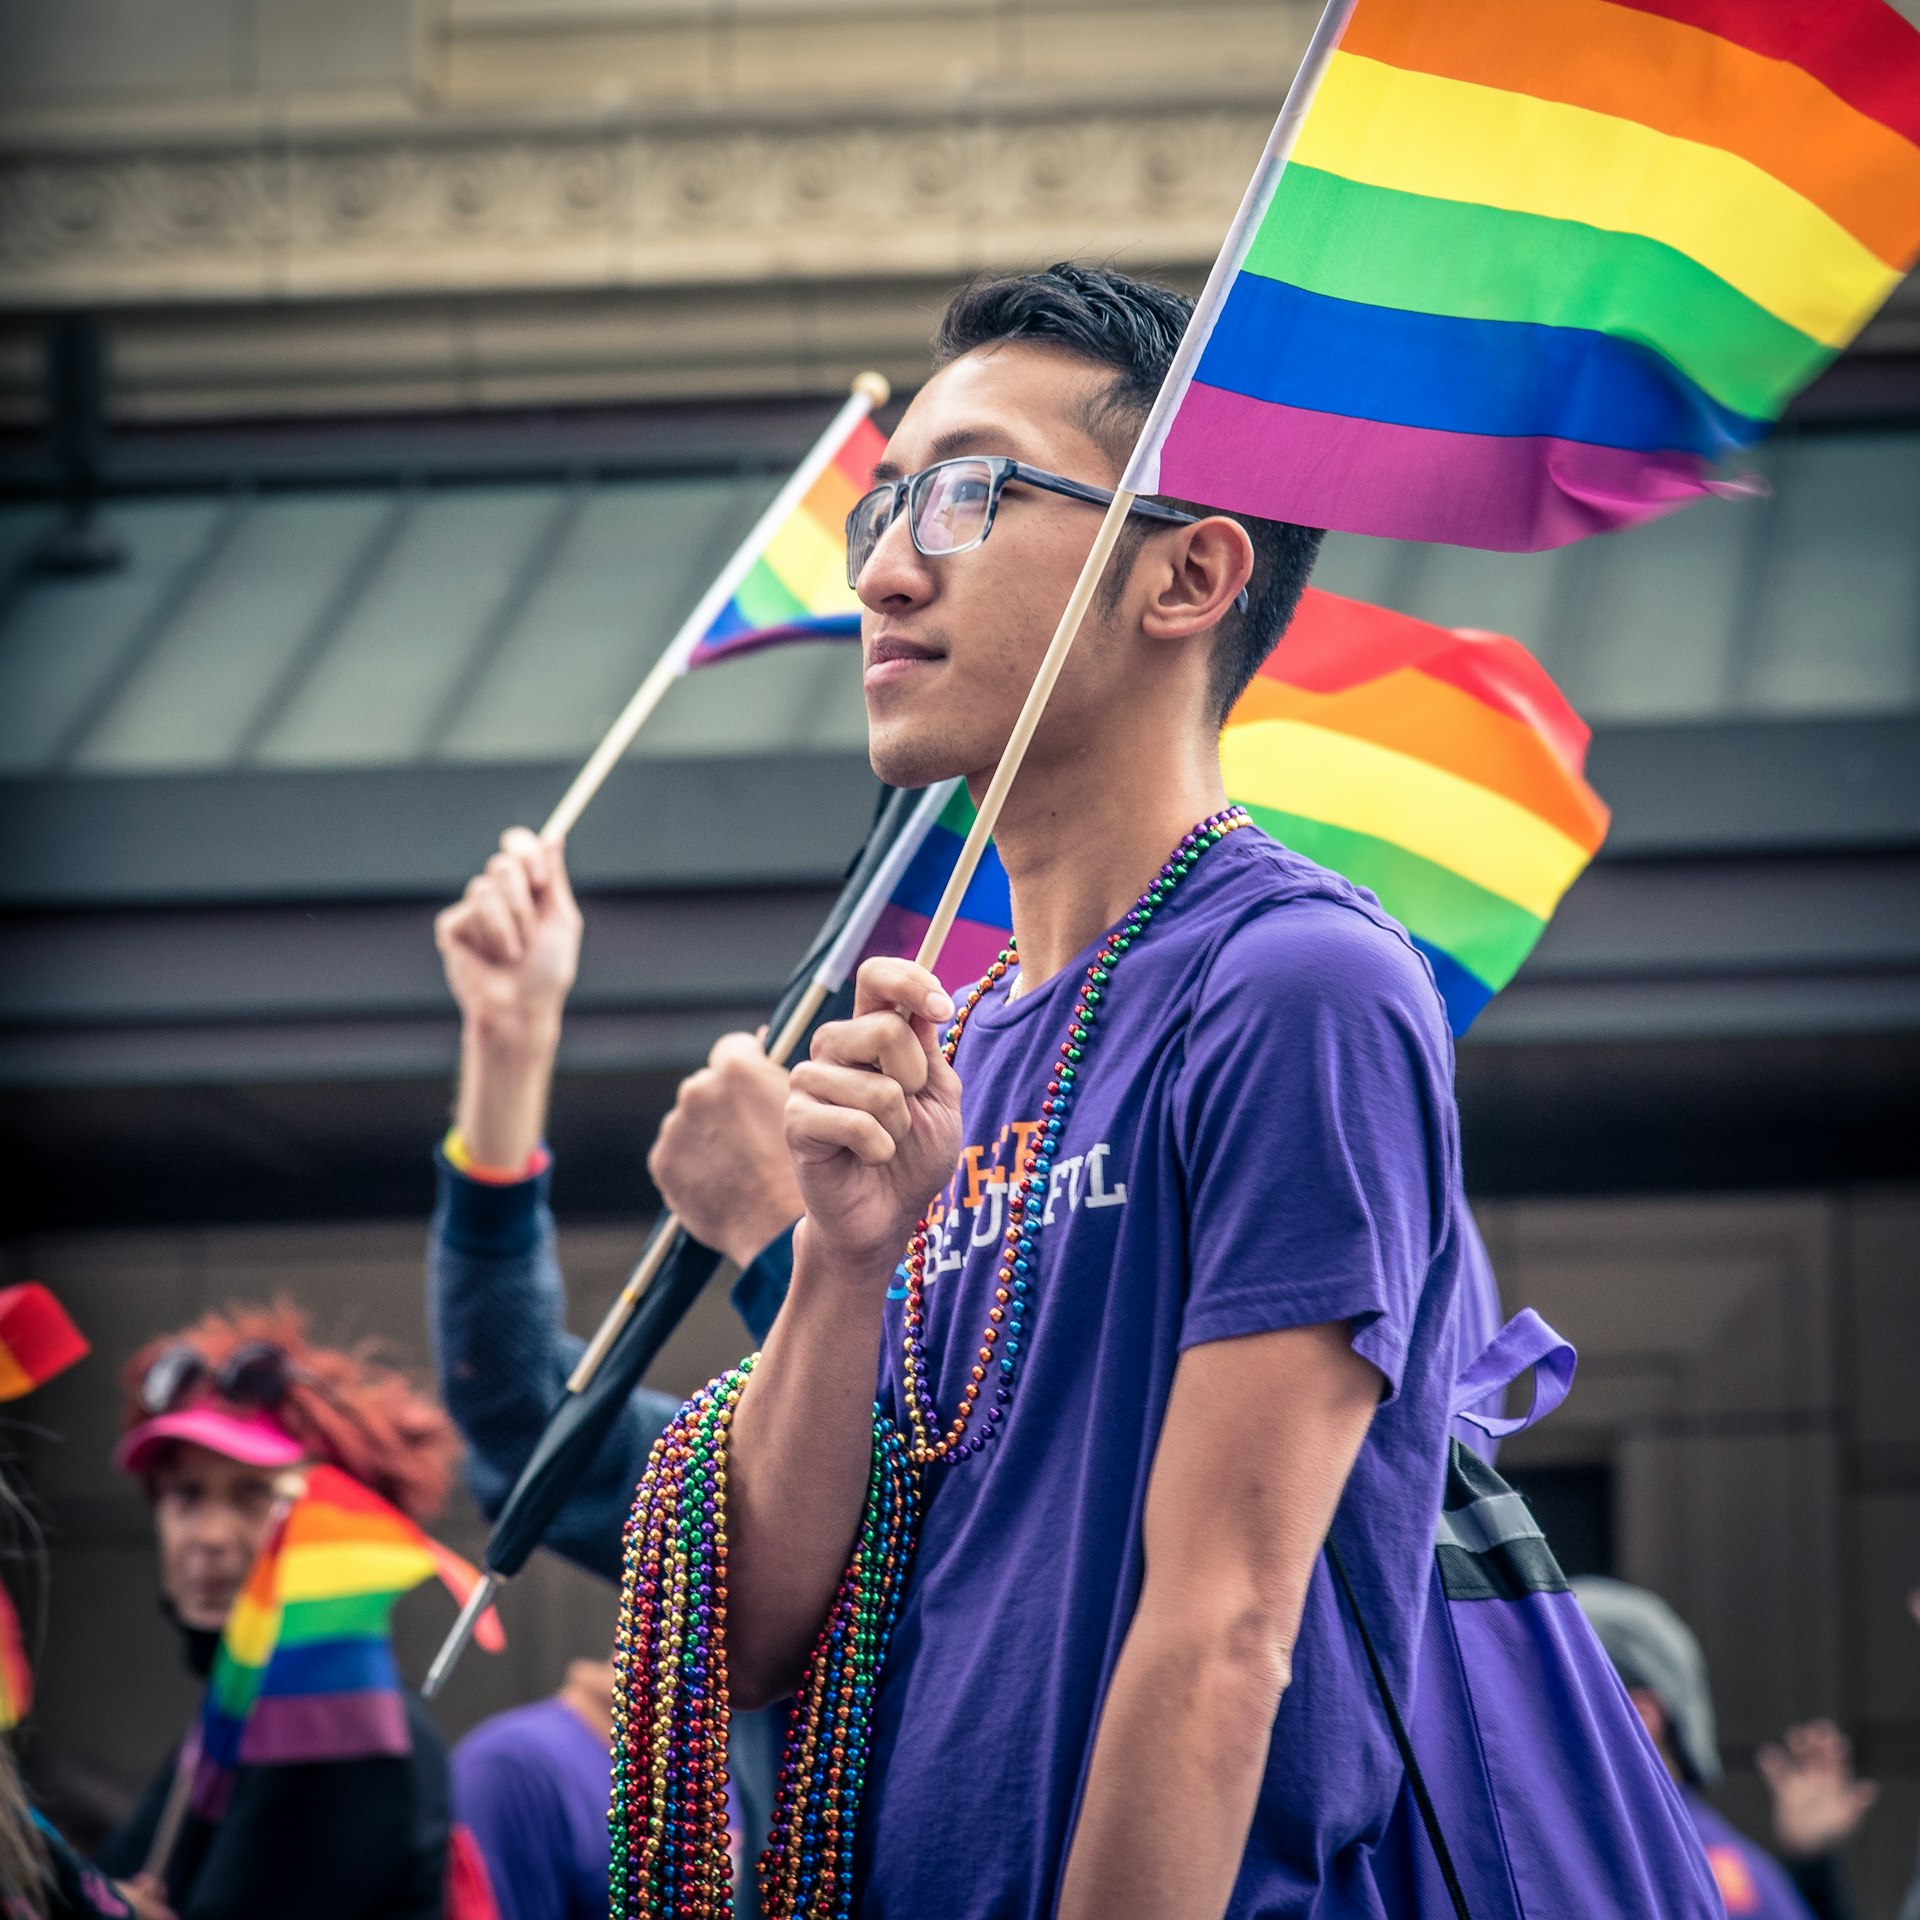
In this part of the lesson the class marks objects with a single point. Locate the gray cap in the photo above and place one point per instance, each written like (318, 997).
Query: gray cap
(1652, 1647)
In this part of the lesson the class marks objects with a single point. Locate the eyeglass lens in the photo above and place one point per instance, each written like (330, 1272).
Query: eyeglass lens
(172, 1376)
(947, 506)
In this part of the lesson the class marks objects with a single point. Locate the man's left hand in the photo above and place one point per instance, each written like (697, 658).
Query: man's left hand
(721, 1160)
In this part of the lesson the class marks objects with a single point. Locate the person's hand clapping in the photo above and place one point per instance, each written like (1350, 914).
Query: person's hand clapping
(873, 1118)
(1817, 1803)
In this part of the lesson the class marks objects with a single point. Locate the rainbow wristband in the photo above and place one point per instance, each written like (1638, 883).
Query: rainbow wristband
(454, 1149)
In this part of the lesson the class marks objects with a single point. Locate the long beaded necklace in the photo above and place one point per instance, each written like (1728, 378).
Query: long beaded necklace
(1027, 1192)
(668, 1814)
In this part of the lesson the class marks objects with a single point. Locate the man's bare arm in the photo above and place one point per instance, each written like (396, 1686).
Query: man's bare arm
(873, 1123)
(1259, 1438)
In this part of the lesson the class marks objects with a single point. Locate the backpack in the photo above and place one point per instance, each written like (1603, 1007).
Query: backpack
(1531, 1789)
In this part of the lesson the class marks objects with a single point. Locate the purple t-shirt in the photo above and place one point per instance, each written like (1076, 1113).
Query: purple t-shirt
(533, 1784)
(1264, 1136)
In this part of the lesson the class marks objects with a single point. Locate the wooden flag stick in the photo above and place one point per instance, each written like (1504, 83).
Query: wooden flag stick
(1021, 737)
(869, 390)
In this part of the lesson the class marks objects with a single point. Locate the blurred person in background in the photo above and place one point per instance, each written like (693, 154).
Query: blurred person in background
(496, 1299)
(532, 1786)
(215, 1415)
(1817, 1804)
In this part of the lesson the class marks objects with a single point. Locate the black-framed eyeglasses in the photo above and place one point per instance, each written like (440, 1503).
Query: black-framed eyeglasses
(255, 1374)
(950, 507)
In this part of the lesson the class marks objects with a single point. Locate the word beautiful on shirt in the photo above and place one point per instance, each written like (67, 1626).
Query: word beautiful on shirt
(971, 1212)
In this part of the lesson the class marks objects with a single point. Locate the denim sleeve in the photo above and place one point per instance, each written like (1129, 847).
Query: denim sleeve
(496, 1309)
(763, 1284)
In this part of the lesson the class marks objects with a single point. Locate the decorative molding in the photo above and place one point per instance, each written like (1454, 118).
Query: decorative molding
(519, 211)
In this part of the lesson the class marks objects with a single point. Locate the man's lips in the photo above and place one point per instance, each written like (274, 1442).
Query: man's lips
(891, 656)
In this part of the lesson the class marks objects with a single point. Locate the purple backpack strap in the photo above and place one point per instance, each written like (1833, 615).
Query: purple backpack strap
(1525, 1341)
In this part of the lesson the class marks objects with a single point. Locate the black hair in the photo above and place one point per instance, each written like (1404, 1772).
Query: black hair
(1134, 327)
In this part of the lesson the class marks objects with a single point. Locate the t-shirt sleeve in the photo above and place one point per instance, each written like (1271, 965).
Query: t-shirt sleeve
(1315, 1125)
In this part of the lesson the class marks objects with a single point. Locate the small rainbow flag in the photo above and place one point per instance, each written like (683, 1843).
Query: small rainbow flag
(1440, 769)
(1532, 266)
(305, 1667)
(796, 587)
(37, 1339)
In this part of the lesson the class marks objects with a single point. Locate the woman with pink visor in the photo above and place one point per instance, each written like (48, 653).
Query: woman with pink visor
(215, 1415)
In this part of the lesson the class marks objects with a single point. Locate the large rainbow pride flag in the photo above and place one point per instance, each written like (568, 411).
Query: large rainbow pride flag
(1534, 266)
(796, 587)
(1440, 769)
(305, 1667)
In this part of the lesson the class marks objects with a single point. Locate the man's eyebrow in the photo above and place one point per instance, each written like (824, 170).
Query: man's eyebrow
(954, 442)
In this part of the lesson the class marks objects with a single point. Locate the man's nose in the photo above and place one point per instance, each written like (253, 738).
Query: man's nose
(896, 572)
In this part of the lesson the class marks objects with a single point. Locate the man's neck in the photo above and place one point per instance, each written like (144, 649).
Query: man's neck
(1083, 840)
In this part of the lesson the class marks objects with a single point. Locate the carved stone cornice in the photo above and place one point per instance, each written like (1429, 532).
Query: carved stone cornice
(526, 207)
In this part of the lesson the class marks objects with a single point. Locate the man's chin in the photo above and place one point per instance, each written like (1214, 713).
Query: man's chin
(906, 755)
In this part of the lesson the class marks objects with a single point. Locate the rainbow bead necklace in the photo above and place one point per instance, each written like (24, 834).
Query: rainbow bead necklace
(668, 1814)
(1027, 1195)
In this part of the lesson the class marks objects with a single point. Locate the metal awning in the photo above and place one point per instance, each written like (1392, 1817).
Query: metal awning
(432, 624)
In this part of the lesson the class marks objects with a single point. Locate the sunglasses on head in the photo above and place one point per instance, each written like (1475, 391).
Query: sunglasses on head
(950, 507)
(255, 1374)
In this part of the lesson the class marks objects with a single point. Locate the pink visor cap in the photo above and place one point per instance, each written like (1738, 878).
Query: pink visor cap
(251, 1438)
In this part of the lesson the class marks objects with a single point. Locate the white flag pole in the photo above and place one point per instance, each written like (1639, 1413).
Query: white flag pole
(1142, 473)
(869, 390)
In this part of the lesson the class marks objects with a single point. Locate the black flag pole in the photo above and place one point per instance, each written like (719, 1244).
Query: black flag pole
(674, 1268)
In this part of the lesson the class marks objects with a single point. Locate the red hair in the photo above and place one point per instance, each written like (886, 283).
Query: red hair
(344, 1405)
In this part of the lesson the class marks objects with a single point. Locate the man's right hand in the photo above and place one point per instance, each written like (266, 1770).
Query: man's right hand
(873, 1119)
(511, 948)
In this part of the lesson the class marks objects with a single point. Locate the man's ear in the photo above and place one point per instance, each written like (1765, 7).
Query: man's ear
(1194, 576)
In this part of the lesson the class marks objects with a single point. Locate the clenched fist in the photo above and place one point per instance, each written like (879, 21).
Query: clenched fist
(511, 943)
(511, 947)
(873, 1119)
(721, 1160)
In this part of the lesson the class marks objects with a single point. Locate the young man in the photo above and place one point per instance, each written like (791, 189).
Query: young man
(1121, 1682)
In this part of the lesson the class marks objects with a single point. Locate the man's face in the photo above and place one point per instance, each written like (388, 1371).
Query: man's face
(211, 1516)
(950, 644)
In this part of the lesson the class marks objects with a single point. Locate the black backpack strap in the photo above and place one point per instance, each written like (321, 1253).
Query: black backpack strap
(1415, 1779)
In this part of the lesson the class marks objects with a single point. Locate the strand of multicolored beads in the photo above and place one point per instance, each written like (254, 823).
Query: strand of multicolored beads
(668, 1817)
(1027, 1195)
(807, 1868)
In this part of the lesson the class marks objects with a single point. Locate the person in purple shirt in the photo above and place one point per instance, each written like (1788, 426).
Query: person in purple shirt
(1121, 1683)
(531, 1785)
(1817, 1803)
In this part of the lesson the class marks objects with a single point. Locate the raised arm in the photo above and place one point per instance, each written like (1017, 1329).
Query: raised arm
(496, 1304)
(873, 1122)
(1260, 1435)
